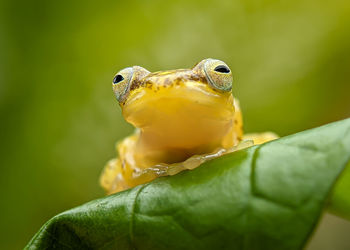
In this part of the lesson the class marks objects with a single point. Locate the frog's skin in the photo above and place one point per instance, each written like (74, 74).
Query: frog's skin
(183, 118)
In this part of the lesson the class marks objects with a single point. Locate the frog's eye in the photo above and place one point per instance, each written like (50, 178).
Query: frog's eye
(118, 78)
(121, 83)
(125, 78)
(218, 74)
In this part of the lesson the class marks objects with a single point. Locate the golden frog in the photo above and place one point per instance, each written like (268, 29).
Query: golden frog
(182, 117)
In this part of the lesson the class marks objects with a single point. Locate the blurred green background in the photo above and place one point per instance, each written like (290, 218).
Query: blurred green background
(60, 120)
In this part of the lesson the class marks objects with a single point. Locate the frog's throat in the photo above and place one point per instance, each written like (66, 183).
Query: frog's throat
(180, 120)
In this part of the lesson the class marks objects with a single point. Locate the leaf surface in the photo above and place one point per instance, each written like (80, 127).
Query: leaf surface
(268, 196)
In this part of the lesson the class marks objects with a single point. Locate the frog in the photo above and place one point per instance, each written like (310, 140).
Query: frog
(183, 118)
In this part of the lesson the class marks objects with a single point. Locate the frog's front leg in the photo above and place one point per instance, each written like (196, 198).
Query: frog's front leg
(112, 179)
(118, 173)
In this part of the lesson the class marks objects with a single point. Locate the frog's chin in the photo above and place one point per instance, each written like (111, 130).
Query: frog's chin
(181, 116)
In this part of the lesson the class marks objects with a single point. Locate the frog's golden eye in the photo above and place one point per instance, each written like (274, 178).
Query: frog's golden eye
(218, 75)
(121, 83)
(125, 78)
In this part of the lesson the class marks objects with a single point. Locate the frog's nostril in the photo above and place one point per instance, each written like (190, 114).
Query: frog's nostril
(222, 69)
(117, 79)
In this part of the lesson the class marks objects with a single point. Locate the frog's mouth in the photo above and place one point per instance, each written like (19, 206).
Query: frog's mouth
(182, 116)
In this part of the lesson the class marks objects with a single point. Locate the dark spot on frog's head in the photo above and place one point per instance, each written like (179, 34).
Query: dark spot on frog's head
(123, 164)
(134, 85)
(167, 81)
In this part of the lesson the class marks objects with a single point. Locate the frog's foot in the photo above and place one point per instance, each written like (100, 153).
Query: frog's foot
(260, 138)
(117, 177)
(190, 163)
(112, 178)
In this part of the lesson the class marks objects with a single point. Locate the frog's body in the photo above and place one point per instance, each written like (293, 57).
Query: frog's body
(184, 117)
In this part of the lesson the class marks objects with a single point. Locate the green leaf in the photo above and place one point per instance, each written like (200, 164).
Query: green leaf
(339, 202)
(264, 197)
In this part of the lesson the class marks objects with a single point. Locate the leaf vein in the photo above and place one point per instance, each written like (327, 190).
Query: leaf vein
(132, 215)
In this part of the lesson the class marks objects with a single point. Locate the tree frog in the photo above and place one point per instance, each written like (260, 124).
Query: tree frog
(183, 118)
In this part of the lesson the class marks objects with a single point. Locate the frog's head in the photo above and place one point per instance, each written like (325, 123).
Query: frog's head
(182, 108)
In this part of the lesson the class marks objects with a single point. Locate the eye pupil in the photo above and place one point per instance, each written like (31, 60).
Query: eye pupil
(117, 79)
(222, 69)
